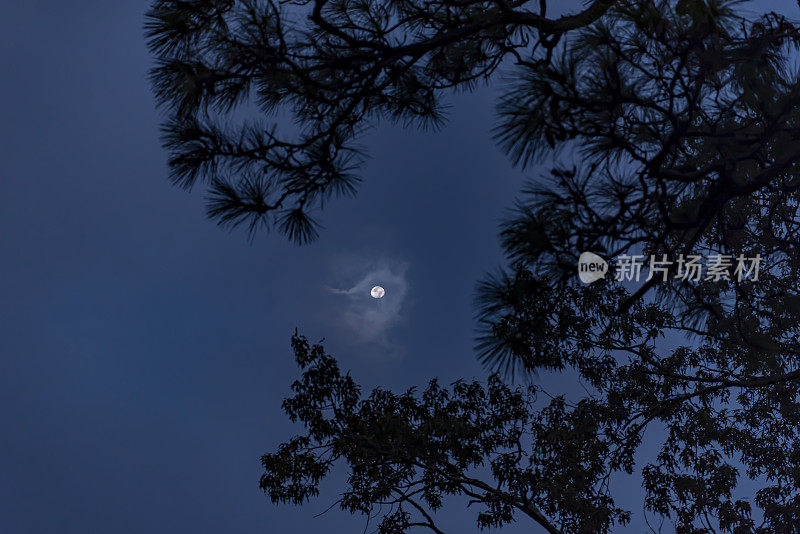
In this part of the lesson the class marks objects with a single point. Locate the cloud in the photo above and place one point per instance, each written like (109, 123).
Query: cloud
(370, 320)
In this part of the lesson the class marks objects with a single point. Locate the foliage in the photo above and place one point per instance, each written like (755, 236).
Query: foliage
(685, 117)
(408, 453)
(334, 68)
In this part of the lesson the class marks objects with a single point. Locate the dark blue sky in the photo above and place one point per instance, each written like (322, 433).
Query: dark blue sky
(145, 352)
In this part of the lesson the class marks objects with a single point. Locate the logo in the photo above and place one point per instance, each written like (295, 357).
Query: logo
(591, 267)
(686, 267)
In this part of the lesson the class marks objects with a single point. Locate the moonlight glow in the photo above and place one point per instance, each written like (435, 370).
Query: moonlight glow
(377, 292)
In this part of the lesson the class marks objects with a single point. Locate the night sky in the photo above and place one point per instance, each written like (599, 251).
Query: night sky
(145, 351)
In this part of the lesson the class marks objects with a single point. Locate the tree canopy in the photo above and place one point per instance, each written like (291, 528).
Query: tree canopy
(672, 130)
(335, 68)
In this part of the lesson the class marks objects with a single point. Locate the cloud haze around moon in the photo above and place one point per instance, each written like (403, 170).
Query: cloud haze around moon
(370, 320)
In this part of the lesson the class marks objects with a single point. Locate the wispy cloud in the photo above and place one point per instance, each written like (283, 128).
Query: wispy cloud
(370, 320)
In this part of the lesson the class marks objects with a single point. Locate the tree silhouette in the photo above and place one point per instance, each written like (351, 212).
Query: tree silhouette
(335, 68)
(684, 118)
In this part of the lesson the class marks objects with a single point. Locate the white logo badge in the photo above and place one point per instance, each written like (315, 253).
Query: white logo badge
(591, 267)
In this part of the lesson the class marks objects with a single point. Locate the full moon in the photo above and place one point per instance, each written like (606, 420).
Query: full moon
(377, 292)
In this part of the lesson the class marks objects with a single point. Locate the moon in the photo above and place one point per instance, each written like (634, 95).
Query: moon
(377, 292)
